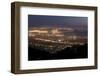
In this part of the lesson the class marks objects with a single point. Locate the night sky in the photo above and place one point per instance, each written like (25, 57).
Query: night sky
(57, 21)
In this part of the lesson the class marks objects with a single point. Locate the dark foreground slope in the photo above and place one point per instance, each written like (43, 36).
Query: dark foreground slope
(74, 52)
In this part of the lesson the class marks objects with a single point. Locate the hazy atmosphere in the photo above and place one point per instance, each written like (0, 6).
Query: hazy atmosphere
(57, 37)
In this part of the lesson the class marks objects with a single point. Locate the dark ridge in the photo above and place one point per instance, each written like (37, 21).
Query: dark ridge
(74, 52)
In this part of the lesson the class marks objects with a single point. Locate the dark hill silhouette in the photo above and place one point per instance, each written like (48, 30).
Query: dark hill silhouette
(74, 52)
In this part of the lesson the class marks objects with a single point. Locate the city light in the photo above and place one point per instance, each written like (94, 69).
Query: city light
(54, 39)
